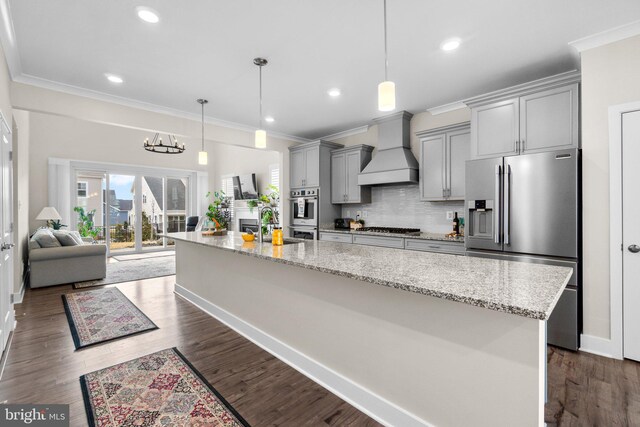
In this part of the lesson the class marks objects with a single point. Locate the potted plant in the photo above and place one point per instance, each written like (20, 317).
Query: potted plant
(86, 227)
(271, 199)
(218, 212)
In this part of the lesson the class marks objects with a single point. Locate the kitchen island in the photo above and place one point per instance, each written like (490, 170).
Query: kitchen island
(410, 338)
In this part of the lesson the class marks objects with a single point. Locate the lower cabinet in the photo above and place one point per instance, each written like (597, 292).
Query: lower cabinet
(387, 242)
(336, 237)
(444, 247)
(455, 248)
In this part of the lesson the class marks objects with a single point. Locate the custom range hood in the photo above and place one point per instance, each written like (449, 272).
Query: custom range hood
(394, 162)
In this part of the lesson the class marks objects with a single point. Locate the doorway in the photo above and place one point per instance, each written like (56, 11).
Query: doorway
(6, 234)
(631, 234)
(128, 211)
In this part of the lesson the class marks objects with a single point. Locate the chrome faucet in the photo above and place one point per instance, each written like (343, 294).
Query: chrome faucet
(260, 212)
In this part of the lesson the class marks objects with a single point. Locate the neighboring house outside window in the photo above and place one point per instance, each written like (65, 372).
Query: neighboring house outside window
(82, 188)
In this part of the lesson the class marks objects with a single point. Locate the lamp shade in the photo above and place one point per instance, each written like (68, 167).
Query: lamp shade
(387, 96)
(261, 139)
(48, 213)
(202, 158)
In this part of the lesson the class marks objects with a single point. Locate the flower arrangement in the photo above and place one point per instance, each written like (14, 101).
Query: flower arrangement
(217, 211)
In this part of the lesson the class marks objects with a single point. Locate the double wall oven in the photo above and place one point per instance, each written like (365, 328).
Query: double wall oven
(304, 213)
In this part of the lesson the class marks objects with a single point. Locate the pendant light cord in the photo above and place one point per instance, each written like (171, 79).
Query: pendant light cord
(386, 61)
(261, 95)
(202, 126)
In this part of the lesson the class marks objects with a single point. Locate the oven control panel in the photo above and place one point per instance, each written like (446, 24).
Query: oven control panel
(304, 193)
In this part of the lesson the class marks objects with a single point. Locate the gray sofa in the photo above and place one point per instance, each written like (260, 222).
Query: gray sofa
(66, 264)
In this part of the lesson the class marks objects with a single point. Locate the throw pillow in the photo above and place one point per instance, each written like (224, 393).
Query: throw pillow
(46, 239)
(33, 244)
(77, 237)
(65, 238)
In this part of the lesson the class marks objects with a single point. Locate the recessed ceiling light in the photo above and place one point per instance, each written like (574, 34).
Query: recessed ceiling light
(269, 119)
(114, 79)
(148, 15)
(334, 92)
(451, 44)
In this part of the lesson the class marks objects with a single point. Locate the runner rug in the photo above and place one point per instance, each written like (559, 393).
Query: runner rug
(160, 389)
(103, 315)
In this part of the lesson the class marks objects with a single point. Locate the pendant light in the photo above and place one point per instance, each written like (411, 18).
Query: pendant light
(202, 155)
(261, 134)
(386, 89)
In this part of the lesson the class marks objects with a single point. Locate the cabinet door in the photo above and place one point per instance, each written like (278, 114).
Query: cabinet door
(495, 129)
(312, 163)
(297, 168)
(338, 178)
(549, 120)
(352, 171)
(457, 154)
(432, 160)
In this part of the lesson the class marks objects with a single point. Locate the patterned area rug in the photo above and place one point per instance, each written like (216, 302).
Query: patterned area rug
(128, 271)
(103, 315)
(160, 389)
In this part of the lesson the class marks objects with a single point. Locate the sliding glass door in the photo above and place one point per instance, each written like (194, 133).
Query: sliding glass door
(127, 211)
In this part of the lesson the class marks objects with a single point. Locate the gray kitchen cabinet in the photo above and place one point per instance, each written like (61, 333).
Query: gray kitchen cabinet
(534, 117)
(549, 120)
(387, 242)
(443, 153)
(308, 162)
(336, 237)
(346, 164)
(454, 248)
(496, 129)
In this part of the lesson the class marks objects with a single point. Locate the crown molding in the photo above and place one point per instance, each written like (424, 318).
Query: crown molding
(608, 36)
(345, 133)
(8, 40)
(446, 108)
(127, 102)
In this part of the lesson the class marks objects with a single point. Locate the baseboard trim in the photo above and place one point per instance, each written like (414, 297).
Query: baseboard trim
(366, 401)
(17, 297)
(599, 346)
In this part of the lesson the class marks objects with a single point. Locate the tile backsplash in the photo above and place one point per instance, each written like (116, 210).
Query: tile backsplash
(400, 206)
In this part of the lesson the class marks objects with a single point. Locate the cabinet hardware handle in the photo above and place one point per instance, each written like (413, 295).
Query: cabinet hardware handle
(515, 146)
(522, 145)
(634, 249)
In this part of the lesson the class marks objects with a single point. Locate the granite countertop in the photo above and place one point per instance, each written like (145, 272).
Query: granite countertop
(424, 235)
(523, 289)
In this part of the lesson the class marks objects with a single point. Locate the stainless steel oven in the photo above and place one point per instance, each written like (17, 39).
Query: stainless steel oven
(309, 233)
(304, 207)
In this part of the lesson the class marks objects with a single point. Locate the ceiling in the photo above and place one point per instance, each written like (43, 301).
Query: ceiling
(206, 49)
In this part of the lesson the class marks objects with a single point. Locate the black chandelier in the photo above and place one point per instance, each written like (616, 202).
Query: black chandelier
(157, 146)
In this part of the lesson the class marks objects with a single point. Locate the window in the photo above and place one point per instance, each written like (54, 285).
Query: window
(82, 188)
(144, 198)
(227, 185)
(274, 175)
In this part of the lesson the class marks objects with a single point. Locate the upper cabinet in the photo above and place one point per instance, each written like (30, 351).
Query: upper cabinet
(443, 153)
(346, 164)
(539, 116)
(309, 163)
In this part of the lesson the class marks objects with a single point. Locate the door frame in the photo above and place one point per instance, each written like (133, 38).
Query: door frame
(616, 347)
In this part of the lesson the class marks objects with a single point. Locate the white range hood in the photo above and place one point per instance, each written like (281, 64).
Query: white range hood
(394, 162)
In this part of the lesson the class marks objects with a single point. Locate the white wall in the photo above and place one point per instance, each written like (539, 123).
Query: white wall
(20, 192)
(610, 76)
(229, 159)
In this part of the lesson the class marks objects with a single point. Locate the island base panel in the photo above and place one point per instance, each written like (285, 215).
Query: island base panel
(401, 357)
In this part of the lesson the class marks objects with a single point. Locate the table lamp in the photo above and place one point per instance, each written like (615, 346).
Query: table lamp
(49, 214)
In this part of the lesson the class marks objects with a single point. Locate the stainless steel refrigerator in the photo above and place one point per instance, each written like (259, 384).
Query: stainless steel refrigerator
(527, 208)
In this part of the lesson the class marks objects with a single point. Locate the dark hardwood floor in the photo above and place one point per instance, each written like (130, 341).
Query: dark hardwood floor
(43, 366)
(589, 390)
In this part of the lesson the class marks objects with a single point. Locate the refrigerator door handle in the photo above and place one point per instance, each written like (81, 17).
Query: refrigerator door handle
(496, 210)
(507, 203)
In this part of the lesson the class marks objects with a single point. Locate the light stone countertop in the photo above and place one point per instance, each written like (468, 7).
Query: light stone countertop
(523, 289)
(424, 235)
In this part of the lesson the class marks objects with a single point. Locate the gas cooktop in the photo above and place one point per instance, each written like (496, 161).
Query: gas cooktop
(392, 230)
